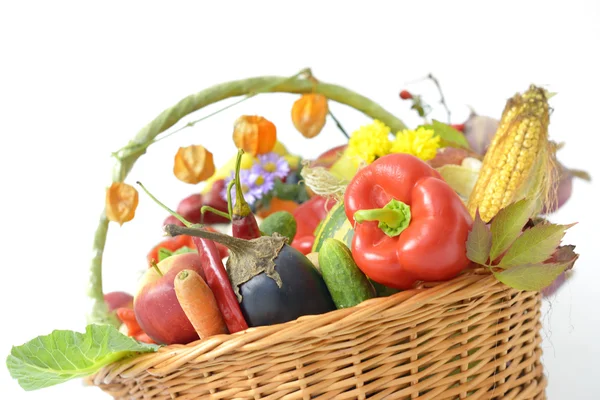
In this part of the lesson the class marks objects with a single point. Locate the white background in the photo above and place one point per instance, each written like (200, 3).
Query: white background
(78, 80)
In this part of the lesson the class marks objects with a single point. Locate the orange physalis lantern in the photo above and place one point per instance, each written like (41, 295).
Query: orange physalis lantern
(121, 202)
(193, 164)
(254, 134)
(309, 113)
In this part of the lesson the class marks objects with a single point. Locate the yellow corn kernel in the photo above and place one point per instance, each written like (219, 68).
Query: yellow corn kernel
(522, 136)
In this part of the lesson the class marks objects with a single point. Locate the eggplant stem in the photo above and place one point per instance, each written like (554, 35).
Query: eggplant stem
(234, 244)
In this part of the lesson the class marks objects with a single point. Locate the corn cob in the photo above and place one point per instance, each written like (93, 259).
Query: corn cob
(520, 160)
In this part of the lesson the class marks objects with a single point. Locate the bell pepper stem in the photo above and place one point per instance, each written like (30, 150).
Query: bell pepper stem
(390, 217)
(393, 218)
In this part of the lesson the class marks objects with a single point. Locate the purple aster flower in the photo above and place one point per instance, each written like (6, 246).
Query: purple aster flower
(254, 185)
(261, 182)
(274, 165)
(245, 182)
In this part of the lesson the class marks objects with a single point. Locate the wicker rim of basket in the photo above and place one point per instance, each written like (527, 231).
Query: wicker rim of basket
(171, 358)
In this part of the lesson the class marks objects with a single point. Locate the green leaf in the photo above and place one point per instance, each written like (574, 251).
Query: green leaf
(184, 249)
(534, 246)
(64, 355)
(449, 136)
(532, 277)
(479, 241)
(508, 224)
(164, 253)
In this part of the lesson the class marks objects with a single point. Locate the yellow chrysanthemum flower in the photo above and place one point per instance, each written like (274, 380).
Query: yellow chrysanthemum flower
(369, 142)
(421, 143)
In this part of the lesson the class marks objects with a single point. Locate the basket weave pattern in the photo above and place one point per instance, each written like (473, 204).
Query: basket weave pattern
(472, 337)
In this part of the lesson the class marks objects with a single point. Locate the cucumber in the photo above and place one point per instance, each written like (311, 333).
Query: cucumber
(281, 222)
(347, 284)
(336, 226)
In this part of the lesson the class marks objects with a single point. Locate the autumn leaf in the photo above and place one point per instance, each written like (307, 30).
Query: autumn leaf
(479, 241)
(533, 277)
(534, 246)
(508, 224)
(565, 254)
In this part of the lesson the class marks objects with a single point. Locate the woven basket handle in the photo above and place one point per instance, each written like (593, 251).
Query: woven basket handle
(303, 82)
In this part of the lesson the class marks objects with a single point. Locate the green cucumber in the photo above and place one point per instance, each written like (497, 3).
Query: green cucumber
(335, 225)
(281, 222)
(347, 284)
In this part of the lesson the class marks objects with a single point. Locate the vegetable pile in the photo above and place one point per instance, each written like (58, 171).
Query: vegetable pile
(384, 212)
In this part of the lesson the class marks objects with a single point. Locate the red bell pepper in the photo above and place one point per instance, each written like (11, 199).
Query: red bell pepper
(308, 216)
(411, 226)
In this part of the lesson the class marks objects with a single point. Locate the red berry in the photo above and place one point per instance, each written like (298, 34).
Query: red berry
(405, 95)
(458, 127)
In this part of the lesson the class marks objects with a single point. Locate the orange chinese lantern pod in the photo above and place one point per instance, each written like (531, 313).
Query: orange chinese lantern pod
(193, 164)
(309, 113)
(121, 202)
(254, 134)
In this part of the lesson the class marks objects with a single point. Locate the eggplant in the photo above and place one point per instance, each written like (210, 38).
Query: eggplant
(303, 292)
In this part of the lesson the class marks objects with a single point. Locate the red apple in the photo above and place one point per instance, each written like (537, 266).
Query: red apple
(156, 307)
(116, 300)
(328, 158)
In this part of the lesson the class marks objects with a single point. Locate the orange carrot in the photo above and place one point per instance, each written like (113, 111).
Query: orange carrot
(199, 304)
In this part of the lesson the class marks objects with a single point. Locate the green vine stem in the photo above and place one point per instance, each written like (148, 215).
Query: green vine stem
(127, 156)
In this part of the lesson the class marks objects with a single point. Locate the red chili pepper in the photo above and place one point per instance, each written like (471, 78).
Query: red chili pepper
(308, 217)
(410, 224)
(223, 251)
(243, 222)
(218, 281)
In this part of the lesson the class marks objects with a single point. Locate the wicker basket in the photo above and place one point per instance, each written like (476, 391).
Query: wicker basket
(472, 337)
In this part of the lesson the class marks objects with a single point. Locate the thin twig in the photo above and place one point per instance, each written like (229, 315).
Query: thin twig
(442, 99)
(340, 127)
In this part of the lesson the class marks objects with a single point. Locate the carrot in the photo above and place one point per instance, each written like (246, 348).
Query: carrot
(199, 304)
